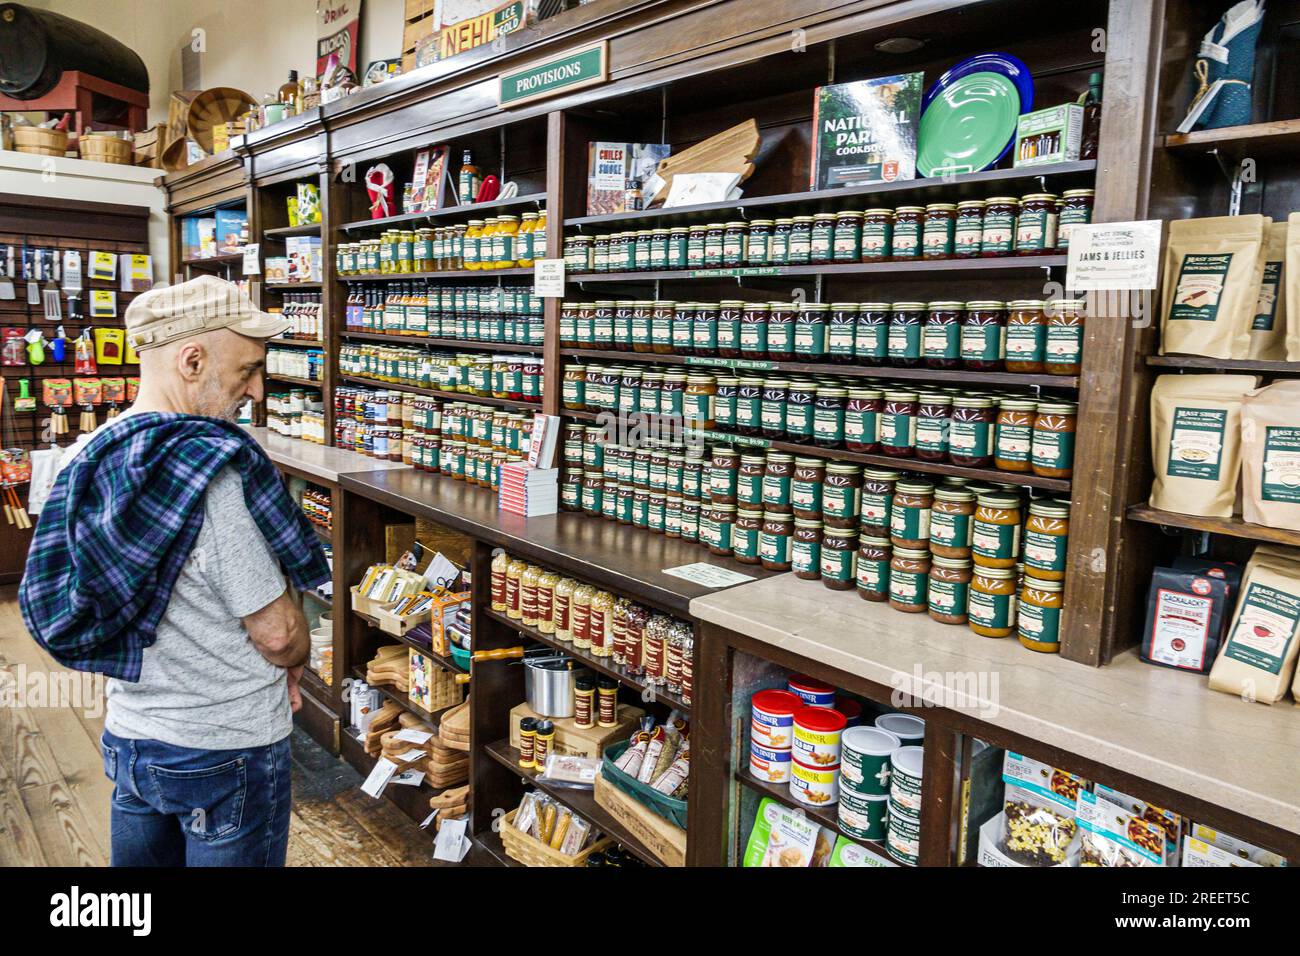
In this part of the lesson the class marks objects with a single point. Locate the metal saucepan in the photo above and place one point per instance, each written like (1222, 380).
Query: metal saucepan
(548, 685)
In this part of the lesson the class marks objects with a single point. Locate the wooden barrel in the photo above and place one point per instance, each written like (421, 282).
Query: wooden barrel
(36, 46)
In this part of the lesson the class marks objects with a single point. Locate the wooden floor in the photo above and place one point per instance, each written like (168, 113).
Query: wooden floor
(54, 797)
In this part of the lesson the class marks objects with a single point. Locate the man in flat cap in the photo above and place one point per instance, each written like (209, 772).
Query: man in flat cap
(157, 562)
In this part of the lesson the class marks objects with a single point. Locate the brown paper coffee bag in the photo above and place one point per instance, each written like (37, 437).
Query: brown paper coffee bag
(1257, 661)
(1268, 331)
(1270, 456)
(1291, 279)
(1196, 442)
(1213, 270)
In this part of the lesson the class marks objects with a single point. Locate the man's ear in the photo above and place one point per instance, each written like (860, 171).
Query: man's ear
(191, 358)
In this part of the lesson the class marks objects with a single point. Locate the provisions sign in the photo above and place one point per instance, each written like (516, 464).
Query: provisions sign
(572, 71)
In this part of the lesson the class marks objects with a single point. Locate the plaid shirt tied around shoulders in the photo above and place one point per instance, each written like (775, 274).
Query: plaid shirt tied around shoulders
(120, 524)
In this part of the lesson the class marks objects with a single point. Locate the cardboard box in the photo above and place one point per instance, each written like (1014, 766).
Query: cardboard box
(666, 841)
(443, 612)
(577, 741)
(1053, 135)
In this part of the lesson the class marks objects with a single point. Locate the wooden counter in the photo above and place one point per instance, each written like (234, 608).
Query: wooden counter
(1156, 724)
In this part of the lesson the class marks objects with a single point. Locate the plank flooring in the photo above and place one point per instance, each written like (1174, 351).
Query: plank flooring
(54, 797)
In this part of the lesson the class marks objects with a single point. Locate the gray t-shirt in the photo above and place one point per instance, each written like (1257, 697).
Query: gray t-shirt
(203, 683)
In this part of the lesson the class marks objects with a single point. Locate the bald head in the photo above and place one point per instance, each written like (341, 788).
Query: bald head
(212, 373)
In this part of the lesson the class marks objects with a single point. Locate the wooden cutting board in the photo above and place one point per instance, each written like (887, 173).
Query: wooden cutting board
(731, 151)
(457, 796)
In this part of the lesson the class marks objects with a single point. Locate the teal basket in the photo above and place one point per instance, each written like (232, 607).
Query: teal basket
(461, 657)
(672, 810)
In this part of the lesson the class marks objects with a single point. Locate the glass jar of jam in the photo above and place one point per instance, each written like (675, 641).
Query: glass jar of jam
(568, 325)
(874, 557)
(877, 235)
(898, 424)
(728, 333)
(1001, 214)
(949, 589)
(939, 236)
(1036, 227)
(690, 520)
(1038, 624)
(995, 532)
(909, 223)
(800, 249)
(602, 324)
(662, 314)
(652, 386)
(734, 237)
(695, 243)
(780, 331)
(1015, 433)
(941, 335)
(573, 388)
(877, 501)
(842, 495)
(969, 232)
(909, 520)
(779, 246)
(970, 439)
(593, 486)
(584, 325)
(639, 327)
(933, 420)
(723, 467)
(724, 406)
(571, 489)
(862, 420)
(871, 333)
(905, 322)
(749, 403)
(678, 252)
(760, 237)
(753, 330)
(983, 336)
(698, 402)
(1052, 452)
(847, 240)
(828, 416)
(841, 332)
(810, 332)
(992, 604)
(951, 522)
(622, 332)
(1063, 344)
(806, 487)
(658, 255)
(684, 328)
(704, 329)
(1075, 209)
(1047, 536)
(716, 523)
(839, 558)
(774, 541)
(1026, 336)
(772, 415)
(749, 481)
(745, 534)
(806, 549)
(778, 477)
(822, 242)
(909, 575)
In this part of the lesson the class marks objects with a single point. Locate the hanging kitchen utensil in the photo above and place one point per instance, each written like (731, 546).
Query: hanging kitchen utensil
(59, 346)
(24, 402)
(84, 349)
(15, 463)
(35, 347)
(57, 396)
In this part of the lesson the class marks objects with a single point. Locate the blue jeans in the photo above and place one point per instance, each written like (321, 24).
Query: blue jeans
(175, 806)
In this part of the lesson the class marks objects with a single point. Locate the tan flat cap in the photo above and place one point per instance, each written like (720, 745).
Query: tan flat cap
(169, 313)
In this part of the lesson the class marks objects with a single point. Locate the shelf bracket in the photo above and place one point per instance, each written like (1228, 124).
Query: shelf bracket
(817, 288)
(1232, 171)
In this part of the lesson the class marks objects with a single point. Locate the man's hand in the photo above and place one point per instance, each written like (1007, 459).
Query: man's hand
(295, 694)
(279, 632)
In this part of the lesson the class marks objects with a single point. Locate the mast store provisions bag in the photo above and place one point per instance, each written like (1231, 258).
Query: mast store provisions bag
(1268, 331)
(1258, 658)
(1291, 276)
(1270, 456)
(1213, 271)
(1196, 442)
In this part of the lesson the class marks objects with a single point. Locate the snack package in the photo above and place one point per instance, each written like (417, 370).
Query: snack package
(1268, 331)
(1167, 820)
(1213, 271)
(1258, 657)
(1186, 615)
(848, 853)
(781, 837)
(1111, 836)
(1233, 846)
(1039, 803)
(1270, 456)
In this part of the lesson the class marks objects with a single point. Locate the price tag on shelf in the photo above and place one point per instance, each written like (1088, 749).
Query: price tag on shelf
(1114, 256)
(708, 575)
(548, 278)
(252, 263)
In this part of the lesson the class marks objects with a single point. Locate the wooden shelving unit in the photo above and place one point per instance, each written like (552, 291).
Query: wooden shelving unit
(1008, 266)
(1278, 138)
(1232, 527)
(441, 393)
(1201, 363)
(468, 345)
(470, 211)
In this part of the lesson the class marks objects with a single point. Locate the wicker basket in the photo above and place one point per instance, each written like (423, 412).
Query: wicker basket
(40, 142)
(533, 852)
(107, 149)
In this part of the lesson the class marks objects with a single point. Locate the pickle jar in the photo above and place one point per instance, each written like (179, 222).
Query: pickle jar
(992, 605)
(1052, 451)
(1038, 624)
(1047, 536)
(909, 574)
(874, 557)
(948, 594)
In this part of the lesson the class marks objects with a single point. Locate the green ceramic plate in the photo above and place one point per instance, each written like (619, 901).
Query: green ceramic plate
(969, 125)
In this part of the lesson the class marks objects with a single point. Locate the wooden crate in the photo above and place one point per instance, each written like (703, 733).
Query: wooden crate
(665, 841)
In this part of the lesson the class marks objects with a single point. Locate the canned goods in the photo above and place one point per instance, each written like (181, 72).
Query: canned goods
(910, 730)
(813, 692)
(906, 765)
(815, 786)
(863, 816)
(773, 718)
(771, 766)
(864, 759)
(851, 710)
(817, 736)
(903, 841)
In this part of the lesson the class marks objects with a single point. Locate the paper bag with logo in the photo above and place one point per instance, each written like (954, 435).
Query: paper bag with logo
(1257, 661)
(1196, 442)
(1291, 280)
(1268, 331)
(1270, 456)
(1213, 271)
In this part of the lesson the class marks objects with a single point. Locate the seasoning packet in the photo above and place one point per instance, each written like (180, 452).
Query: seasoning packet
(1110, 836)
(1213, 271)
(1039, 803)
(780, 837)
(1196, 442)
(1268, 330)
(1270, 455)
(1258, 658)
(1186, 612)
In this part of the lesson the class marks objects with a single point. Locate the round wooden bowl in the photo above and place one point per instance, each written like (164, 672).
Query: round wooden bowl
(211, 108)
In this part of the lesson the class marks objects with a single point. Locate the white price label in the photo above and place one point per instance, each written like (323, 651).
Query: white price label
(548, 278)
(1114, 256)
